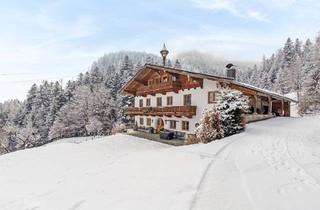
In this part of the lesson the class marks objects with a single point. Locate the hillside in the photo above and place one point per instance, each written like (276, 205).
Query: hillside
(89, 105)
(273, 165)
(93, 105)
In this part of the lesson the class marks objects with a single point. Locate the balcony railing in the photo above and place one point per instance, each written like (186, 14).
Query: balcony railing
(159, 88)
(178, 111)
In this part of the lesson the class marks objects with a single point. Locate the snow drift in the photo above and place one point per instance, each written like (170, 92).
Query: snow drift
(273, 165)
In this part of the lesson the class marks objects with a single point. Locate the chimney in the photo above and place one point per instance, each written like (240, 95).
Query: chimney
(231, 71)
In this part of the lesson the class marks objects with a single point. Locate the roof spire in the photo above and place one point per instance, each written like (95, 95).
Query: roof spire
(164, 52)
(164, 46)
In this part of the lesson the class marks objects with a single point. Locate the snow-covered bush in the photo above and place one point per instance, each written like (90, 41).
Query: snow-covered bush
(232, 104)
(210, 126)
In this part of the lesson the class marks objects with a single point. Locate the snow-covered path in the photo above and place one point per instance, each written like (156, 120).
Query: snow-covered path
(275, 164)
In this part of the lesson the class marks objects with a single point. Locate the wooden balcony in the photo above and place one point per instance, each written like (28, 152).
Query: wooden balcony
(159, 88)
(177, 111)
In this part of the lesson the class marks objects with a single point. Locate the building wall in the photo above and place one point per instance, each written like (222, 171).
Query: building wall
(199, 98)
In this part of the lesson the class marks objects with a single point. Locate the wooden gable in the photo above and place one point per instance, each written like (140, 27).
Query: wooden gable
(151, 81)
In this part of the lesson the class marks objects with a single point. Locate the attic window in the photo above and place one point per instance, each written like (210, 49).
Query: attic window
(165, 79)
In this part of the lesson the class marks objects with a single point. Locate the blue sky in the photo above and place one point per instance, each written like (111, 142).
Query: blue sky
(59, 39)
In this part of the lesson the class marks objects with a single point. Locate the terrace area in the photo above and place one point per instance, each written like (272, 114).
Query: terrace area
(155, 137)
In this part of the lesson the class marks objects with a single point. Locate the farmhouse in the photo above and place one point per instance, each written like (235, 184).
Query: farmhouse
(174, 99)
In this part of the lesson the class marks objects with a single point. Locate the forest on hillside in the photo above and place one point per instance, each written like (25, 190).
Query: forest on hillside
(92, 105)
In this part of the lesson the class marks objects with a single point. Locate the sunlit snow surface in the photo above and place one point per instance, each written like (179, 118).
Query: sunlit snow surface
(275, 164)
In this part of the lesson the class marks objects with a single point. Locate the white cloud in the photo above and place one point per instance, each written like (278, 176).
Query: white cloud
(217, 5)
(257, 16)
(233, 6)
(278, 3)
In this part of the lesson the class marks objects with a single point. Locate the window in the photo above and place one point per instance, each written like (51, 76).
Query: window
(141, 103)
(148, 102)
(164, 79)
(169, 100)
(211, 97)
(185, 125)
(173, 124)
(187, 100)
(189, 78)
(159, 101)
(141, 121)
(148, 121)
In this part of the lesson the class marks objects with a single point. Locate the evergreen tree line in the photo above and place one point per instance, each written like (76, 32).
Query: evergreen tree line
(293, 68)
(92, 105)
(89, 105)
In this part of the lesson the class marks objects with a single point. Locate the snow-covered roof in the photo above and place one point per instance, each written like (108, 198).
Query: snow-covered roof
(268, 92)
(210, 77)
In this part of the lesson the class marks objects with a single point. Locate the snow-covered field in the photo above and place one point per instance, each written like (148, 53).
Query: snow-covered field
(275, 164)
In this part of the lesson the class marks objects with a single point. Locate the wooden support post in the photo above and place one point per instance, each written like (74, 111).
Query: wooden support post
(255, 104)
(270, 105)
(282, 108)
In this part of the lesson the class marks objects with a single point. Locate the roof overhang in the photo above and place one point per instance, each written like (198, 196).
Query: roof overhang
(142, 75)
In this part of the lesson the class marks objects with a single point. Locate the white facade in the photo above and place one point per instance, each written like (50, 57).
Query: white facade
(199, 98)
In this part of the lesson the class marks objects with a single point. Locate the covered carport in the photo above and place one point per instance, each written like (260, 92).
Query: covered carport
(263, 104)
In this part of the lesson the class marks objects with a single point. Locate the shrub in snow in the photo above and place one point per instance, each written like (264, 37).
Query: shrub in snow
(14, 138)
(210, 126)
(192, 139)
(232, 104)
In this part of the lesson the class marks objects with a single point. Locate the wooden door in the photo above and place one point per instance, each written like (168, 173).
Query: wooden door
(160, 125)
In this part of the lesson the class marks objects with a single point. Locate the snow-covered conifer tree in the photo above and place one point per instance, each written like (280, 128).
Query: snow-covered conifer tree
(232, 104)
(312, 89)
(177, 64)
